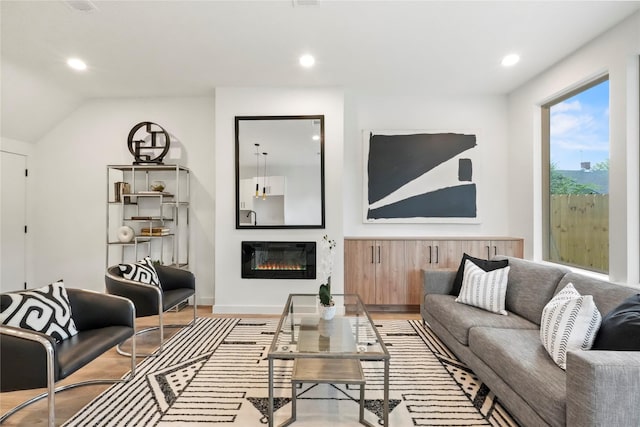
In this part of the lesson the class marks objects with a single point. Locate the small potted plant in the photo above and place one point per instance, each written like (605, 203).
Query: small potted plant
(327, 306)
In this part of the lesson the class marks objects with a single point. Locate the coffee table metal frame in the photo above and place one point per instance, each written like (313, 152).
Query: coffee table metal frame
(328, 371)
(289, 330)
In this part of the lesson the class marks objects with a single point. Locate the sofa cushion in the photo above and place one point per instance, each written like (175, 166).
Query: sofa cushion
(519, 359)
(484, 289)
(486, 265)
(620, 328)
(459, 318)
(531, 286)
(570, 321)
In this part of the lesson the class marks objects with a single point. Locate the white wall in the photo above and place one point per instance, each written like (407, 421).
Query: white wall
(232, 293)
(69, 174)
(27, 97)
(615, 52)
(483, 115)
(302, 202)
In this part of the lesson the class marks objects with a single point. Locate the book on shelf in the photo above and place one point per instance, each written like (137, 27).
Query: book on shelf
(155, 231)
(153, 193)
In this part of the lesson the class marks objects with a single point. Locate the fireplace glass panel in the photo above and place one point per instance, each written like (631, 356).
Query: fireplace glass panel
(279, 260)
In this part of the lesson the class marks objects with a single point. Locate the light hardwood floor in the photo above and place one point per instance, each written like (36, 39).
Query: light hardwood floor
(112, 365)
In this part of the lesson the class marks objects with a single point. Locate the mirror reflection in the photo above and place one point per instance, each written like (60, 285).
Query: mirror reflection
(280, 171)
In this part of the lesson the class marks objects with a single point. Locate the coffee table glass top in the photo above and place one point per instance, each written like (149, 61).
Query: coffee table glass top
(302, 332)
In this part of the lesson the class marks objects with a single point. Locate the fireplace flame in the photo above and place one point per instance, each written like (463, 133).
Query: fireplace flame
(279, 266)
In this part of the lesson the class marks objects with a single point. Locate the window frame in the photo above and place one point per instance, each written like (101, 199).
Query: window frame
(545, 116)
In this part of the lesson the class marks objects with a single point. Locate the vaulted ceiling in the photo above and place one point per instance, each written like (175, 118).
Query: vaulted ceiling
(187, 48)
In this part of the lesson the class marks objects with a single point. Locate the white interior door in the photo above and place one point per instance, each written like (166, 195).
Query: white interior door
(13, 205)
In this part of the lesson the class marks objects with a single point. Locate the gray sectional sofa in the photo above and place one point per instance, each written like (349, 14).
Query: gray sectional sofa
(599, 388)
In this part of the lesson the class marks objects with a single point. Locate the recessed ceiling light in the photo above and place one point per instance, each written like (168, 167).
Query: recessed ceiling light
(307, 60)
(81, 5)
(306, 3)
(316, 137)
(77, 64)
(510, 60)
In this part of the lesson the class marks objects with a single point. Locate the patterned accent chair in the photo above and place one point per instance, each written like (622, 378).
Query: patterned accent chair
(176, 285)
(34, 360)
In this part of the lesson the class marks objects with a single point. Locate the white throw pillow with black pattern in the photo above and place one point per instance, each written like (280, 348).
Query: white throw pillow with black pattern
(484, 289)
(570, 321)
(45, 310)
(142, 271)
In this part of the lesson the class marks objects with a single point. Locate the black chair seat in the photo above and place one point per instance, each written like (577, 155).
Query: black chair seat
(77, 351)
(172, 298)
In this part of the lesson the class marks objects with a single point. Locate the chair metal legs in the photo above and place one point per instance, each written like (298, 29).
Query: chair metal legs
(52, 390)
(160, 327)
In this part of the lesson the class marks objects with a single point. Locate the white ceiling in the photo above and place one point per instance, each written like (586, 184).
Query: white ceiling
(184, 48)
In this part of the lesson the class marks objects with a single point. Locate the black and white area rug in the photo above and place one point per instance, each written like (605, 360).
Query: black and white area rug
(216, 373)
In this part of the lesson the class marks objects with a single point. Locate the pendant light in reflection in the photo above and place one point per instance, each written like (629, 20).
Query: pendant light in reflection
(257, 170)
(264, 182)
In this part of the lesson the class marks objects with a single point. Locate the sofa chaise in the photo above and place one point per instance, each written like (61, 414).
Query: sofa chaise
(598, 388)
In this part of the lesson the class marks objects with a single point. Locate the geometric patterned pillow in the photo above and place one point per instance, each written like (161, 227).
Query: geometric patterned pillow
(569, 321)
(45, 310)
(484, 289)
(143, 271)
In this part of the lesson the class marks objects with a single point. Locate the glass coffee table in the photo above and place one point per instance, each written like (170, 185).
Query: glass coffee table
(327, 351)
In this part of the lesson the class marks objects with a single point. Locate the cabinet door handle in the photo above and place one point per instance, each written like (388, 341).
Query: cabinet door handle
(437, 255)
(495, 250)
(430, 255)
(378, 254)
(371, 254)
(488, 252)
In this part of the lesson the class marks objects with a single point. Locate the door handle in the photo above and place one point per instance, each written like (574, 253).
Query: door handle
(437, 255)
(378, 254)
(371, 254)
(488, 252)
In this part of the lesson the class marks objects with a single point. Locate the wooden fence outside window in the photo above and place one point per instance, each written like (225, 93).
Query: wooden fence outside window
(579, 225)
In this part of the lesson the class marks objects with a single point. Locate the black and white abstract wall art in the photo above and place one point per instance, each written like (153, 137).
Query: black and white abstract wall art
(420, 177)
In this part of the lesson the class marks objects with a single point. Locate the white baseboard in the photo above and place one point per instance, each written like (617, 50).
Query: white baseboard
(205, 300)
(247, 309)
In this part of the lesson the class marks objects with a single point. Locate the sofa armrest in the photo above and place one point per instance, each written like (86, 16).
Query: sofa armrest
(94, 310)
(603, 388)
(437, 281)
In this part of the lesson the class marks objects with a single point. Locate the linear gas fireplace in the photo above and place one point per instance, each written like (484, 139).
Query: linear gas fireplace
(279, 260)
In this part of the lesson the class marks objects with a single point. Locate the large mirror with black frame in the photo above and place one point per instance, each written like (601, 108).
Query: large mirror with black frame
(279, 171)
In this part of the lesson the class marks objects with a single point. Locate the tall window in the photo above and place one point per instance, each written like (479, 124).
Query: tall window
(575, 131)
